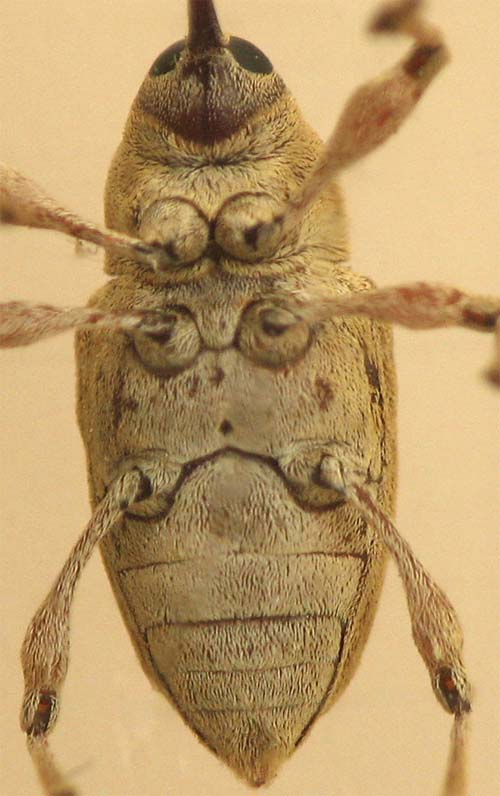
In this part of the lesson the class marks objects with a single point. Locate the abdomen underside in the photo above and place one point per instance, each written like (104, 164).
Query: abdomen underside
(241, 601)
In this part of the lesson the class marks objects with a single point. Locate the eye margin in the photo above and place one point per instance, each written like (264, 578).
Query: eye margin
(167, 60)
(246, 54)
(249, 57)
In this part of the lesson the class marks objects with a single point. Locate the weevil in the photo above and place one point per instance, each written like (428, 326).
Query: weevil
(45, 706)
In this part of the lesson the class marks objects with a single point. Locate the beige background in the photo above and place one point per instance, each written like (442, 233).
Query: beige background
(424, 207)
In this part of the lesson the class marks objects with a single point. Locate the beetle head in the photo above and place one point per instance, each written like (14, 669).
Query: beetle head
(207, 86)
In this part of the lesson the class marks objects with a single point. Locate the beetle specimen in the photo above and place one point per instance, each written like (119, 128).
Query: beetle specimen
(224, 312)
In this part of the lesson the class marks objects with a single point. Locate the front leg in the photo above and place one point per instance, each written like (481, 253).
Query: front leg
(24, 203)
(372, 114)
(377, 109)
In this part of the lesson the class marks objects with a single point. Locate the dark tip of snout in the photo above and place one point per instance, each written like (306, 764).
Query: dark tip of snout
(204, 28)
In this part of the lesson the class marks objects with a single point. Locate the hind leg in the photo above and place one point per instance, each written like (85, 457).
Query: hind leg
(45, 650)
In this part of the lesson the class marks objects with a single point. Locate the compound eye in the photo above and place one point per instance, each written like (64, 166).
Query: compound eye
(167, 60)
(249, 57)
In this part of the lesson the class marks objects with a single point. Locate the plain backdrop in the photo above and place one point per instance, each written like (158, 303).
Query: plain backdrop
(423, 207)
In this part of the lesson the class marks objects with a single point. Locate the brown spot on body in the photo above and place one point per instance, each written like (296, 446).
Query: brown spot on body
(217, 377)
(372, 374)
(117, 403)
(194, 386)
(226, 427)
(324, 392)
(129, 405)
